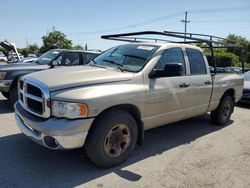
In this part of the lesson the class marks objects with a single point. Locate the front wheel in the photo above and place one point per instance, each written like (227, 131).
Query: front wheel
(111, 139)
(222, 114)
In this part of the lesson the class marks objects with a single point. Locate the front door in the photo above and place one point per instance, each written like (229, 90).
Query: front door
(167, 97)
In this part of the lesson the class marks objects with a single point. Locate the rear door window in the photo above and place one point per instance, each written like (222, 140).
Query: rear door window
(196, 62)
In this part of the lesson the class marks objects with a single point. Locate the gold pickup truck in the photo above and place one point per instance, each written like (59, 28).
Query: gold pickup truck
(106, 106)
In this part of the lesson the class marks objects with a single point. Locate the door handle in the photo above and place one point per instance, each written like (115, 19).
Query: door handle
(208, 82)
(184, 84)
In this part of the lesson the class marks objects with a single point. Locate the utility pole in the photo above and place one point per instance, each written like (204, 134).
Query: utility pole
(186, 22)
(27, 42)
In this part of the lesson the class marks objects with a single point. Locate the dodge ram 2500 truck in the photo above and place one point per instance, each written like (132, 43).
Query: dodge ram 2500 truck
(106, 106)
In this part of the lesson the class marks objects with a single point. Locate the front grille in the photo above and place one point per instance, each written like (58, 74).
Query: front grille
(34, 97)
(34, 91)
(21, 83)
(35, 105)
(21, 97)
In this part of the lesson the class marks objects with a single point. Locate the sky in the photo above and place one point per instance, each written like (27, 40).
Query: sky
(25, 22)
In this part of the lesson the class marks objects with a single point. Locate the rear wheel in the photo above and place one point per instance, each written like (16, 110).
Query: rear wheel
(13, 95)
(111, 139)
(6, 94)
(222, 114)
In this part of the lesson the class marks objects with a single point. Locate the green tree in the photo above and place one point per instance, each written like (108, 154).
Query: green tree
(23, 51)
(4, 51)
(33, 48)
(241, 41)
(78, 47)
(55, 39)
(224, 59)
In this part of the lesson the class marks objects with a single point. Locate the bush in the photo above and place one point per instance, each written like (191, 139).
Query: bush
(224, 59)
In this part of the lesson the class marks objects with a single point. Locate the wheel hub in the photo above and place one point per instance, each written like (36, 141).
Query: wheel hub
(117, 140)
(226, 110)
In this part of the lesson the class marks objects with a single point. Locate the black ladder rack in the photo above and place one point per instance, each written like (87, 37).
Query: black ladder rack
(210, 41)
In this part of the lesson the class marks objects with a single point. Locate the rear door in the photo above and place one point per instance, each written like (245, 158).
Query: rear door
(200, 83)
(167, 98)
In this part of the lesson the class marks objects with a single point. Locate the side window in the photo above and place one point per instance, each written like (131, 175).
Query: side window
(196, 61)
(172, 56)
(89, 57)
(69, 58)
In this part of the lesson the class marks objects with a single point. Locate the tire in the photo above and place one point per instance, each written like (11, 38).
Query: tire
(104, 135)
(222, 114)
(13, 95)
(6, 95)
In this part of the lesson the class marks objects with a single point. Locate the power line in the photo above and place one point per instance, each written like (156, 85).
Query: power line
(197, 11)
(218, 21)
(230, 9)
(132, 25)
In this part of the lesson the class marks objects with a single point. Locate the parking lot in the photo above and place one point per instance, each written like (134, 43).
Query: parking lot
(191, 153)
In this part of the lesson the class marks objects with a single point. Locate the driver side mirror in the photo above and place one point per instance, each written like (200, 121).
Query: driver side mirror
(170, 70)
(55, 63)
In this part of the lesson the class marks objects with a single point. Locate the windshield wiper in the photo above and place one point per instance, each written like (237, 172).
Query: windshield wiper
(96, 65)
(119, 66)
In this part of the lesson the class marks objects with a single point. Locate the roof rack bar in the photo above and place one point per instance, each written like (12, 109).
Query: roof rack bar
(202, 35)
(189, 36)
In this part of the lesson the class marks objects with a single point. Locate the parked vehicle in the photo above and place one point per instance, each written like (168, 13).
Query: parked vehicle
(32, 56)
(14, 58)
(107, 105)
(13, 54)
(246, 90)
(29, 59)
(233, 70)
(3, 57)
(9, 74)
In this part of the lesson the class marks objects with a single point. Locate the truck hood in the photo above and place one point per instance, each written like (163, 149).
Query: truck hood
(76, 76)
(21, 66)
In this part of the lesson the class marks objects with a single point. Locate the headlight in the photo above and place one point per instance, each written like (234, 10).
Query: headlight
(69, 110)
(2, 75)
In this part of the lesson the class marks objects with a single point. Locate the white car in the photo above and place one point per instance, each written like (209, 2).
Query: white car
(3, 57)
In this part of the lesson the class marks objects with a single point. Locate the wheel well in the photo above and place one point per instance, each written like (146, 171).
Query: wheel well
(135, 113)
(230, 92)
(14, 83)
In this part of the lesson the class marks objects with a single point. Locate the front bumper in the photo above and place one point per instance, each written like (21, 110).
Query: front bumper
(53, 133)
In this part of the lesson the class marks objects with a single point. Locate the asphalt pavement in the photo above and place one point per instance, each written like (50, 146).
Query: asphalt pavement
(190, 153)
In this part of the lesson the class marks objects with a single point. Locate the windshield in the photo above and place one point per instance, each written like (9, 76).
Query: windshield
(246, 76)
(47, 57)
(127, 57)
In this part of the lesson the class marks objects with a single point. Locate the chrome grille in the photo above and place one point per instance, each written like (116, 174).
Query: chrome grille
(34, 97)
